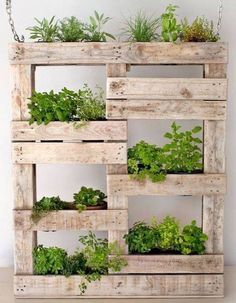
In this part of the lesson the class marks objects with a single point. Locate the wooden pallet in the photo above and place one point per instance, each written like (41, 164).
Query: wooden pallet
(105, 142)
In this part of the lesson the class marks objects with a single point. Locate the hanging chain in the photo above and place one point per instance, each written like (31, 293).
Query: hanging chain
(11, 22)
(220, 16)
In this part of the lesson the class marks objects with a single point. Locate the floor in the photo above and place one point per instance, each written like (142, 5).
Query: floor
(6, 292)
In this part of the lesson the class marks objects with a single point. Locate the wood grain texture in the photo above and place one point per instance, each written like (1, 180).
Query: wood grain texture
(72, 220)
(171, 109)
(87, 153)
(121, 286)
(114, 52)
(91, 131)
(167, 88)
(174, 185)
(174, 264)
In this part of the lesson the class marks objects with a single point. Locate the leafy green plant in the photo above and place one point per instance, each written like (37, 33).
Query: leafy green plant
(201, 30)
(142, 28)
(88, 197)
(44, 206)
(192, 240)
(168, 234)
(170, 27)
(49, 260)
(94, 30)
(45, 30)
(67, 105)
(71, 30)
(183, 153)
(75, 264)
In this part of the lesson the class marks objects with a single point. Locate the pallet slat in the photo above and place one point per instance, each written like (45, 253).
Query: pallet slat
(174, 185)
(167, 88)
(121, 286)
(72, 220)
(91, 131)
(130, 53)
(174, 264)
(87, 153)
(172, 109)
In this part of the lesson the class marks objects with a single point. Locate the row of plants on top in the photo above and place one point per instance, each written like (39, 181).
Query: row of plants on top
(140, 28)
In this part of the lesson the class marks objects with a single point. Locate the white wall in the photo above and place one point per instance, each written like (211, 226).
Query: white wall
(64, 180)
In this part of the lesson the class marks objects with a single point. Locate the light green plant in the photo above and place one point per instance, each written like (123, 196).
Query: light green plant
(88, 197)
(170, 27)
(71, 30)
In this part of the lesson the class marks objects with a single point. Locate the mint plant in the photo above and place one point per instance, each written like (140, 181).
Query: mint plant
(170, 27)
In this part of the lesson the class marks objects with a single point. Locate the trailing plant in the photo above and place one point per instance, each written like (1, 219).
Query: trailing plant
(67, 105)
(94, 29)
(45, 30)
(201, 30)
(170, 27)
(71, 30)
(142, 28)
(88, 197)
(44, 206)
(49, 260)
(183, 153)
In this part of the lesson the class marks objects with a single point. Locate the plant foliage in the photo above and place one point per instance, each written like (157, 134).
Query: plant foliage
(71, 30)
(170, 26)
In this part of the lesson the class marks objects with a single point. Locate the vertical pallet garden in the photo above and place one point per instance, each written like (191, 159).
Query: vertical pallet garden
(127, 98)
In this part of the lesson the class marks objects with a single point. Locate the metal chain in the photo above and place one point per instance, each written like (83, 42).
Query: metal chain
(220, 16)
(11, 22)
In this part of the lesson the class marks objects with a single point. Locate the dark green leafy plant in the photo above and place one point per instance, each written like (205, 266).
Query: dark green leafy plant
(183, 153)
(142, 28)
(170, 27)
(94, 30)
(49, 260)
(44, 206)
(88, 197)
(201, 30)
(67, 105)
(71, 30)
(75, 264)
(45, 30)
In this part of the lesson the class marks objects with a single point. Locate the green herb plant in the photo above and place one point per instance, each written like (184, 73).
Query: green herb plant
(170, 27)
(142, 28)
(88, 197)
(201, 30)
(45, 30)
(71, 30)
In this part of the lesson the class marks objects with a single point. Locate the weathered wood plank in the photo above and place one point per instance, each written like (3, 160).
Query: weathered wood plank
(97, 130)
(214, 162)
(171, 109)
(167, 88)
(174, 264)
(121, 286)
(88, 153)
(22, 87)
(114, 52)
(174, 185)
(72, 220)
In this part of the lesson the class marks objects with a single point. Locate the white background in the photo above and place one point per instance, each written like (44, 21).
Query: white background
(65, 180)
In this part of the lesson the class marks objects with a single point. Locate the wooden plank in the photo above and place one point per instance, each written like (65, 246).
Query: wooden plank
(121, 286)
(174, 264)
(167, 88)
(72, 220)
(22, 87)
(171, 109)
(88, 153)
(94, 130)
(214, 162)
(174, 185)
(115, 52)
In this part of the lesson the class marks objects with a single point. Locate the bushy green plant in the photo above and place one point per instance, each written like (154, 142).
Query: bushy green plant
(201, 30)
(94, 29)
(71, 30)
(183, 153)
(49, 260)
(170, 26)
(45, 30)
(75, 264)
(142, 28)
(44, 206)
(192, 240)
(88, 197)
(66, 106)
(168, 234)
